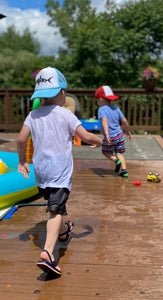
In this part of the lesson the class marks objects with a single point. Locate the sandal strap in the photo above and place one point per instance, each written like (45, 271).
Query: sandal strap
(61, 234)
(67, 233)
(52, 262)
(68, 229)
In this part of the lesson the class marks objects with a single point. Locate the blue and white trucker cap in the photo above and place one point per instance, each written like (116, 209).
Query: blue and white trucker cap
(48, 83)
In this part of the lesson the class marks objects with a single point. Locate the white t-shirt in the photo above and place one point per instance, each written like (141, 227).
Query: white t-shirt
(52, 128)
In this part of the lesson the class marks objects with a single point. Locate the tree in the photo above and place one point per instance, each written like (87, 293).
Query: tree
(13, 40)
(19, 59)
(79, 25)
(68, 17)
(137, 37)
(110, 47)
(13, 67)
(16, 69)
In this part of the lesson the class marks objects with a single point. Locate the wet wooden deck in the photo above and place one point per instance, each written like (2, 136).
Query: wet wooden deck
(116, 250)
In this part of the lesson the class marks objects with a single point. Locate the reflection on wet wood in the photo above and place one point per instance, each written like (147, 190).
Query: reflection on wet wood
(116, 247)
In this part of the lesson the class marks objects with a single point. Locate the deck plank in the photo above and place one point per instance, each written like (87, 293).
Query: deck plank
(116, 248)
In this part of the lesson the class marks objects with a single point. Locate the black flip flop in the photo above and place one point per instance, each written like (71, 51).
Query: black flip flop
(48, 267)
(70, 227)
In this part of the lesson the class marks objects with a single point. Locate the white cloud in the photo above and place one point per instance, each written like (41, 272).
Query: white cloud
(36, 22)
(100, 4)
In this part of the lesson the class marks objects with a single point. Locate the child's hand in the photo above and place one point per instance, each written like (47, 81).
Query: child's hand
(129, 134)
(95, 146)
(24, 169)
(108, 140)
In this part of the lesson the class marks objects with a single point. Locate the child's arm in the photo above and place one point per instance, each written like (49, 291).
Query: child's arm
(127, 127)
(88, 137)
(23, 166)
(105, 126)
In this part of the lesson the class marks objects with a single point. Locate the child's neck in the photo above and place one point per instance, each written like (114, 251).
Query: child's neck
(56, 100)
(47, 102)
(106, 102)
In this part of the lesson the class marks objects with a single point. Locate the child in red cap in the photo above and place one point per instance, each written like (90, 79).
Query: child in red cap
(111, 117)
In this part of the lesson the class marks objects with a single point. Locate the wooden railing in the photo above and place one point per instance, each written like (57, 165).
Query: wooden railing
(142, 109)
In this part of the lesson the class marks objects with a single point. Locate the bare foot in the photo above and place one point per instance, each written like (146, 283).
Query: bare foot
(44, 256)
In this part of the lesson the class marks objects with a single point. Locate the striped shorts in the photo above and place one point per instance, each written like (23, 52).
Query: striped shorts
(117, 145)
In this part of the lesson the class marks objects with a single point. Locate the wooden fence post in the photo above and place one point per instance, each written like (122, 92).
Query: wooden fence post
(8, 110)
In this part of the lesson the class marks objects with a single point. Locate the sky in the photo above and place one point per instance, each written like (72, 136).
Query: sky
(32, 14)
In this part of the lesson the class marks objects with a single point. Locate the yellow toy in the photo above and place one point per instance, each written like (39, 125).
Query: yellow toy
(3, 167)
(153, 178)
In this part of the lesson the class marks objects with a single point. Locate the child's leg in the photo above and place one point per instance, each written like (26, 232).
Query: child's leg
(110, 156)
(124, 172)
(57, 198)
(108, 151)
(115, 160)
(119, 149)
(53, 229)
(123, 161)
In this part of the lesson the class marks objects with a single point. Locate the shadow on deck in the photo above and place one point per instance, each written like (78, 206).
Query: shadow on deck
(116, 247)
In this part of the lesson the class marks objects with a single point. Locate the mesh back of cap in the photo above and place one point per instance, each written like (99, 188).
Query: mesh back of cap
(61, 79)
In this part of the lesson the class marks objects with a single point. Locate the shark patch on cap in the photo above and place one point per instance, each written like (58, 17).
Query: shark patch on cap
(48, 83)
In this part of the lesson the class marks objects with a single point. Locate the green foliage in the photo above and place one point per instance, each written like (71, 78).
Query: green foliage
(110, 47)
(138, 37)
(13, 40)
(13, 67)
(80, 26)
(68, 17)
(19, 58)
(113, 46)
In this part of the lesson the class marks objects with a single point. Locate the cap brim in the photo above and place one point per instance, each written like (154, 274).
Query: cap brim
(47, 93)
(113, 97)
